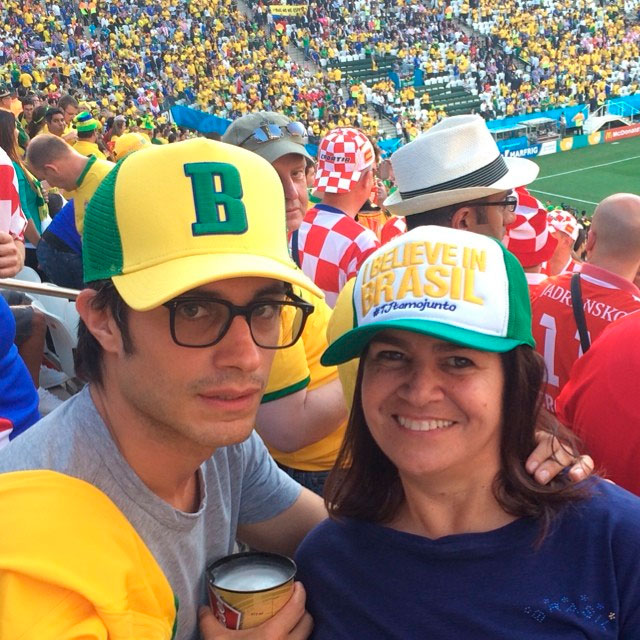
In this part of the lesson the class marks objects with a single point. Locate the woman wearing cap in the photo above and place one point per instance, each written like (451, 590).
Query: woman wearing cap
(436, 529)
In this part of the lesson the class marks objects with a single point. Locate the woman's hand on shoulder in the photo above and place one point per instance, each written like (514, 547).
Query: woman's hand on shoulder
(551, 457)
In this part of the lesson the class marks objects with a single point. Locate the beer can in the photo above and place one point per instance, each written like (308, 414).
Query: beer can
(246, 589)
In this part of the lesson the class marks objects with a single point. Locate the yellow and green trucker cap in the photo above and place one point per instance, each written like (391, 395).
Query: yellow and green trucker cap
(173, 217)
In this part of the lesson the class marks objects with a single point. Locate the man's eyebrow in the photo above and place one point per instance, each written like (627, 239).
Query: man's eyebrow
(278, 288)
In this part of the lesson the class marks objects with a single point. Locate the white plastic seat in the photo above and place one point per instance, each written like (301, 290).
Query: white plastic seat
(28, 275)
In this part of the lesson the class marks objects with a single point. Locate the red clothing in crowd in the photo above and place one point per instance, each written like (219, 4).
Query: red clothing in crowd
(600, 402)
(393, 227)
(606, 297)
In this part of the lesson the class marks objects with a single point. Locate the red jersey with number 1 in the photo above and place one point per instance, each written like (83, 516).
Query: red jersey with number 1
(605, 297)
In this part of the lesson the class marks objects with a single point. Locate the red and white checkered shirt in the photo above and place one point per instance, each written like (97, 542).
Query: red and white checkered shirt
(394, 226)
(12, 219)
(331, 248)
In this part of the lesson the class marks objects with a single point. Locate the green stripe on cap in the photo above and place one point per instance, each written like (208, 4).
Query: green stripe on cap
(85, 122)
(454, 285)
(519, 300)
(101, 243)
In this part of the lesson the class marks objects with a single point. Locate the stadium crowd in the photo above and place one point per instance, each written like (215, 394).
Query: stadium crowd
(421, 341)
(519, 58)
(135, 59)
(575, 53)
(122, 231)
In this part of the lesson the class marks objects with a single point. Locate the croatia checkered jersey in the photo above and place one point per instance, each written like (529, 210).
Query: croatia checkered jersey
(12, 219)
(394, 226)
(331, 247)
(606, 297)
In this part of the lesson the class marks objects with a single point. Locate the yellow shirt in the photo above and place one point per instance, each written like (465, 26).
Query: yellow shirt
(86, 186)
(342, 321)
(94, 577)
(298, 367)
(87, 148)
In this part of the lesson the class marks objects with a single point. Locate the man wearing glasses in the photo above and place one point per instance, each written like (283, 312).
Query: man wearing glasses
(454, 176)
(190, 295)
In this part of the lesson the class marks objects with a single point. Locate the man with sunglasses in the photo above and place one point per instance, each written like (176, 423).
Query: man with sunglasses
(280, 141)
(190, 295)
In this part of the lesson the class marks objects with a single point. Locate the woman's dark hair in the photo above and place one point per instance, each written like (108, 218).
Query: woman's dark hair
(365, 484)
(37, 121)
(88, 351)
(9, 142)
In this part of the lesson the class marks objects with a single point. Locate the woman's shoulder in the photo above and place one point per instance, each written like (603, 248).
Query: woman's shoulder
(608, 506)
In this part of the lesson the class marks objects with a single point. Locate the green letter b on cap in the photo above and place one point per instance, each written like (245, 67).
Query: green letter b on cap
(217, 195)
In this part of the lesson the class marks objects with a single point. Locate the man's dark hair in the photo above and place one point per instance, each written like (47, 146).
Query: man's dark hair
(442, 216)
(52, 112)
(27, 100)
(365, 483)
(89, 351)
(86, 135)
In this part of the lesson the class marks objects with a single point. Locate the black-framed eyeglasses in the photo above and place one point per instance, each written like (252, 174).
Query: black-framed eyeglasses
(510, 203)
(202, 321)
(267, 132)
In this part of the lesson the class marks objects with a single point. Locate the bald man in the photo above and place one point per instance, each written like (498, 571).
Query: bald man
(607, 289)
(50, 158)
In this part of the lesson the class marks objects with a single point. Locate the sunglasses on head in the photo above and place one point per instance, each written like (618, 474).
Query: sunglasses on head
(268, 132)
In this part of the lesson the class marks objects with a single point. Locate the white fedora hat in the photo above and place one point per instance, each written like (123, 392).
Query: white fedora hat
(455, 161)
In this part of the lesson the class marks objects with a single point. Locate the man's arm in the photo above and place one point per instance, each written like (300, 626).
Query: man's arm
(302, 418)
(283, 533)
(11, 255)
(31, 233)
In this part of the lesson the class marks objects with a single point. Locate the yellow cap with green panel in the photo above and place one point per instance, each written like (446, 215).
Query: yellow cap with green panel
(171, 218)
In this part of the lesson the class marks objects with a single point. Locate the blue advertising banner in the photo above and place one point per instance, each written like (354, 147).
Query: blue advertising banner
(513, 144)
(524, 152)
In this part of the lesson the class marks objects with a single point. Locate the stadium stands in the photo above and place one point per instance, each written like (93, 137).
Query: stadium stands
(409, 63)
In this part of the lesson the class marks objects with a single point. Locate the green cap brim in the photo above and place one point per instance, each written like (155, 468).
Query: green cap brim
(353, 343)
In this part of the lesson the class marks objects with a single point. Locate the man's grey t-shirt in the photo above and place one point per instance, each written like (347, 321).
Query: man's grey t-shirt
(239, 484)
